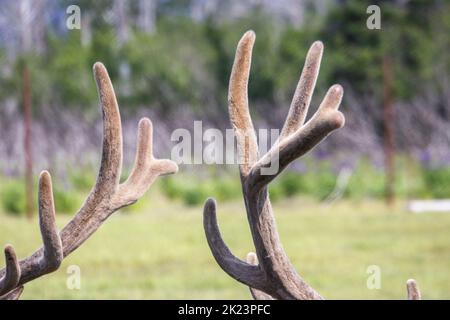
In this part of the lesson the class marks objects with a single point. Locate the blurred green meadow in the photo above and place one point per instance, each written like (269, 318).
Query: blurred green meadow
(157, 250)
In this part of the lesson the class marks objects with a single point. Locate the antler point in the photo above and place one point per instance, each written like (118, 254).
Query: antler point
(318, 45)
(252, 258)
(248, 38)
(145, 121)
(44, 177)
(98, 66)
(337, 88)
(210, 203)
(9, 250)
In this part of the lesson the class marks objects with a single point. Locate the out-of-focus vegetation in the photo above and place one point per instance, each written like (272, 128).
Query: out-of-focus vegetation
(186, 62)
(177, 71)
(316, 180)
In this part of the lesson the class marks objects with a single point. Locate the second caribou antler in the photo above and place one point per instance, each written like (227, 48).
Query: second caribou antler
(274, 276)
(107, 196)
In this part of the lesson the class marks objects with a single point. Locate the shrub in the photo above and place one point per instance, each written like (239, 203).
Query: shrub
(194, 196)
(325, 183)
(13, 198)
(366, 181)
(292, 184)
(66, 201)
(170, 188)
(437, 182)
(275, 191)
(83, 180)
(227, 189)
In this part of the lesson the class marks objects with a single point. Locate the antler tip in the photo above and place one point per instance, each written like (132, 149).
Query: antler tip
(100, 73)
(413, 290)
(98, 66)
(247, 39)
(145, 127)
(145, 122)
(331, 104)
(168, 167)
(252, 258)
(45, 184)
(45, 176)
(210, 204)
(9, 251)
(337, 89)
(315, 53)
(249, 34)
(317, 45)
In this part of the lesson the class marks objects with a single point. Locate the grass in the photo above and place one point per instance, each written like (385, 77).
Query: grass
(159, 251)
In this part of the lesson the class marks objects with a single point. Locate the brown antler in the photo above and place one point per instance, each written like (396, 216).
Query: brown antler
(413, 290)
(107, 196)
(275, 276)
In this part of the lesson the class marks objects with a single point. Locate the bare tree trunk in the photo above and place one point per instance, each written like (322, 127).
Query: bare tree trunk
(121, 17)
(147, 16)
(25, 20)
(86, 29)
(39, 25)
(26, 96)
(389, 126)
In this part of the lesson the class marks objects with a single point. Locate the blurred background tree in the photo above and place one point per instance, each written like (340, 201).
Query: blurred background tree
(171, 60)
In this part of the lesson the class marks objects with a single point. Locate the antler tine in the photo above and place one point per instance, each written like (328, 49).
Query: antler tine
(235, 267)
(238, 104)
(304, 91)
(49, 258)
(53, 251)
(145, 160)
(413, 290)
(12, 275)
(105, 198)
(252, 259)
(111, 164)
(325, 120)
(146, 168)
(97, 206)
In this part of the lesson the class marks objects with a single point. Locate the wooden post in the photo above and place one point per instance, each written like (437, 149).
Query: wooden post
(389, 127)
(26, 100)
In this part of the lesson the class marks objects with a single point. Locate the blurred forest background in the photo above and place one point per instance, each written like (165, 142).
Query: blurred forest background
(170, 60)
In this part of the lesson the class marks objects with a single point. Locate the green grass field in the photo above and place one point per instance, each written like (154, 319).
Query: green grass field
(159, 251)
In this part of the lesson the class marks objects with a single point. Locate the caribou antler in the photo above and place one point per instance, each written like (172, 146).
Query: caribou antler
(107, 196)
(274, 277)
(413, 290)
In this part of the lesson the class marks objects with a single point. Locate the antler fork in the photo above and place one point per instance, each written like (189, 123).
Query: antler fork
(107, 196)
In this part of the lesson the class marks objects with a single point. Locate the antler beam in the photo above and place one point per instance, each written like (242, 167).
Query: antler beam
(107, 196)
